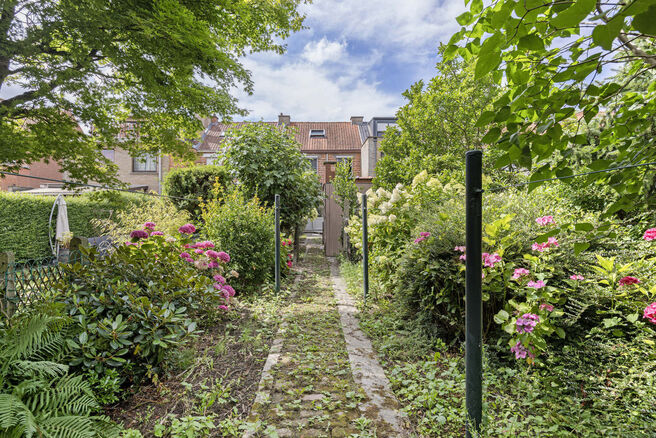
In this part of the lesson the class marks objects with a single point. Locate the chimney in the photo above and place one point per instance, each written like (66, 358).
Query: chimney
(357, 119)
(284, 119)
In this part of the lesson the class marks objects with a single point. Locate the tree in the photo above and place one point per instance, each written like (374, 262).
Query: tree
(550, 54)
(267, 160)
(346, 192)
(95, 63)
(436, 126)
(193, 186)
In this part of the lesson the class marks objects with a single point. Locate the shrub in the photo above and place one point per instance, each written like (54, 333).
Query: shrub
(195, 184)
(24, 219)
(246, 230)
(141, 300)
(159, 210)
(37, 395)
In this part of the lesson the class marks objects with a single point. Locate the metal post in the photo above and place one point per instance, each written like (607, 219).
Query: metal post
(7, 284)
(277, 270)
(473, 300)
(365, 249)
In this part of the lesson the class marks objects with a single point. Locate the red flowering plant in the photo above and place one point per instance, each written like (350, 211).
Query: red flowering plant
(286, 254)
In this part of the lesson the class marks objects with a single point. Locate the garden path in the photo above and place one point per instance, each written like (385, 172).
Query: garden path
(321, 378)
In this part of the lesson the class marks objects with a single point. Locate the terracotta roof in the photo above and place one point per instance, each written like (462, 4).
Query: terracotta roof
(340, 136)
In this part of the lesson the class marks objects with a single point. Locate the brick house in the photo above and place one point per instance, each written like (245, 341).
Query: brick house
(323, 143)
(12, 183)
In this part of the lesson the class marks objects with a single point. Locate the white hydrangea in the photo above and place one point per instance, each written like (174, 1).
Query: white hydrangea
(419, 178)
(392, 217)
(396, 196)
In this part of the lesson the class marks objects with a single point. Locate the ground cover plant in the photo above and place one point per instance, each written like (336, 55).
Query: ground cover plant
(568, 310)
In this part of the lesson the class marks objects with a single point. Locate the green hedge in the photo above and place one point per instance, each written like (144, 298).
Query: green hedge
(24, 219)
(193, 183)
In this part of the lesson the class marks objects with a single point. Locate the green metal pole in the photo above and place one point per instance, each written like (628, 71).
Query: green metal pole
(473, 297)
(277, 270)
(365, 249)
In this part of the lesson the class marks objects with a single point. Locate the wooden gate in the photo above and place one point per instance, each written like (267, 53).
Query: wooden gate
(332, 223)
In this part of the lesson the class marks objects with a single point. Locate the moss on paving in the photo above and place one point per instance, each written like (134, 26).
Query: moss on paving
(312, 392)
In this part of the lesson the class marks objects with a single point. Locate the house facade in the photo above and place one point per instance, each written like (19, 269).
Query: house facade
(12, 183)
(323, 143)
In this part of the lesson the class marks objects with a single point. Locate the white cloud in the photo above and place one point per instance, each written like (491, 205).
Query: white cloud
(319, 52)
(308, 92)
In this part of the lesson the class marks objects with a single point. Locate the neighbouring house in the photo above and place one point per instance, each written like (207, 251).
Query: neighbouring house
(12, 183)
(323, 143)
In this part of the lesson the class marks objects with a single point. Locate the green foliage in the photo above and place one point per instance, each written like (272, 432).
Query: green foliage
(134, 305)
(267, 160)
(24, 219)
(37, 396)
(162, 211)
(92, 63)
(539, 123)
(195, 184)
(436, 126)
(244, 229)
(346, 192)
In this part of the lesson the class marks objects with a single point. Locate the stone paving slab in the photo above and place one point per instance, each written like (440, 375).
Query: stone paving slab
(308, 388)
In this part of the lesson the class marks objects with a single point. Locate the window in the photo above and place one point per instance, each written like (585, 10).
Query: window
(145, 163)
(129, 130)
(210, 159)
(317, 133)
(314, 162)
(341, 159)
(381, 127)
(109, 154)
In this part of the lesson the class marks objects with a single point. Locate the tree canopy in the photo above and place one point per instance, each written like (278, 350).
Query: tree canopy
(436, 126)
(550, 55)
(95, 63)
(267, 160)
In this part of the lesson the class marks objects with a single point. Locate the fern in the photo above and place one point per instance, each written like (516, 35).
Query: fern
(37, 396)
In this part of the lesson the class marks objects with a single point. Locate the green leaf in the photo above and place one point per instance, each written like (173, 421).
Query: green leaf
(465, 19)
(491, 136)
(579, 247)
(501, 317)
(560, 332)
(584, 226)
(646, 21)
(531, 42)
(489, 56)
(572, 16)
(605, 34)
(632, 318)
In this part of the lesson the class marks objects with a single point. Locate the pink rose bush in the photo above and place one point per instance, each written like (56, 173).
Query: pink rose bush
(650, 313)
(650, 234)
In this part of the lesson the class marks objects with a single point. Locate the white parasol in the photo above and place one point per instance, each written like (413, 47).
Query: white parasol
(62, 223)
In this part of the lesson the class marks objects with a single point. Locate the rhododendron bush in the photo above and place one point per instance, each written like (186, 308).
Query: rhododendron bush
(144, 298)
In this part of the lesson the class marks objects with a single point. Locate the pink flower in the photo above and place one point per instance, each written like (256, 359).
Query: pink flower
(520, 272)
(424, 234)
(156, 233)
(205, 244)
(548, 307)
(187, 229)
(521, 351)
(139, 234)
(214, 264)
(536, 284)
(419, 239)
(149, 225)
(201, 264)
(576, 277)
(545, 220)
(229, 290)
(489, 260)
(131, 244)
(211, 254)
(189, 259)
(460, 248)
(289, 264)
(650, 312)
(551, 242)
(463, 257)
(220, 279)
(198, 251)
(628, 280)
(189, 246)
(185, 255)
(217, 286)
(222, 307)
(527, 322)
(650, 234)
(224, 257)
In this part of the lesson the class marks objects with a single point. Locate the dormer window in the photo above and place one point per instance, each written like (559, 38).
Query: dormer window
(317, 133)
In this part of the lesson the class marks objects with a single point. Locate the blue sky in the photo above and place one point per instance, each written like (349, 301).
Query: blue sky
(356, 58)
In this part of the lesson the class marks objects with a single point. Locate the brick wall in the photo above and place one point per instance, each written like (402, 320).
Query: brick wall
(321, 158)
(41, 168)
(127, 174)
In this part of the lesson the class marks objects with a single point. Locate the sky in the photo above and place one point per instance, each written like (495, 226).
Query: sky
(355, 59)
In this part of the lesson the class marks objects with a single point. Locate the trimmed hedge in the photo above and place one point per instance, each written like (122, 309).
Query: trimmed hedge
(24, 219)
(194, 182)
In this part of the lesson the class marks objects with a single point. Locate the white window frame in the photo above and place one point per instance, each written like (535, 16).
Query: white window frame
(145, 160)
(317, 133)
(340, 158)
(316, 159)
